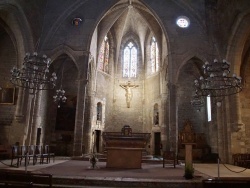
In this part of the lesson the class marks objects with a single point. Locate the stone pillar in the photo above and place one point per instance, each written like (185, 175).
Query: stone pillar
(235, 113)
(220, 148)
(19, 112)
(30, 119)
(173, 135)
(237, 128)
(36, 118)
(80, 109)
(164, 123)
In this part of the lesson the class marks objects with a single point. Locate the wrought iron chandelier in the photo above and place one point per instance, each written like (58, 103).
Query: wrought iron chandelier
(34, 73)
(197, 102)
(60, 97)
(217, 81)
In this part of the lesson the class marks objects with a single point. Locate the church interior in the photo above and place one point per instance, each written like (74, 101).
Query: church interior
(72, 71)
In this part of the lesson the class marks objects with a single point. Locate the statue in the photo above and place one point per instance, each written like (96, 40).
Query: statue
(128, 88)
(157, 118)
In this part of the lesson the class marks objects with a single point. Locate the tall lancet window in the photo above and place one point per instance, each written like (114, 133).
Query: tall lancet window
(130, 61)
(154, 55)
(103, 59)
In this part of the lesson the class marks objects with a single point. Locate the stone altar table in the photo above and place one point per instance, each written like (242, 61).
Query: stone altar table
(125, 150)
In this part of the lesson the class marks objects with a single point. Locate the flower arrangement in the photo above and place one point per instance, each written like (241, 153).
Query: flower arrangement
(93, 160)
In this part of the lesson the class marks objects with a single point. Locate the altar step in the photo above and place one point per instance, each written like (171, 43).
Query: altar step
(103, 158)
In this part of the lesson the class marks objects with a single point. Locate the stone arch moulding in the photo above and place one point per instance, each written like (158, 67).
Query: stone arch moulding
(186, 58)
(20, 32)
(64, 49)
(63, 16)
(239, 34)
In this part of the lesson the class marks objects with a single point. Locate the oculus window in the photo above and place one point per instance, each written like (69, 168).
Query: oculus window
(183, 21)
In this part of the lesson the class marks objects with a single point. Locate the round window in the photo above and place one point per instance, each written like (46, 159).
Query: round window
(183, 21)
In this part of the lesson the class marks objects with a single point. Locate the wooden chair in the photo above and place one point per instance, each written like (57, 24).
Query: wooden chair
(169, 157)
(14, 154)
(38, 154)
(24, 154)
(17, 152)
(31, 153)
(48, 154)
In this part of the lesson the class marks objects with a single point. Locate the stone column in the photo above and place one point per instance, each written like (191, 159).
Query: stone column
(83, 62)
(19, 112)
(235, 113)
(173, 135)
(164, 119)
(36, 117)
(237, 128)
(27, 126)
(220, 148)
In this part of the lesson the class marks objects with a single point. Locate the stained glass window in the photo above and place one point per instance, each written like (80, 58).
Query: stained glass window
(130, 61)
(103, 59)
(154, 55)
(209, 113)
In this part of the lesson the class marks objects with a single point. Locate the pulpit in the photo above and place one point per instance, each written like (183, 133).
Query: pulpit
(124, 149)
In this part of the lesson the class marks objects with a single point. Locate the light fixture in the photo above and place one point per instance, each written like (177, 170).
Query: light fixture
(217, 81)
(197, 102)
(34, 73)
(59, 97)
(60, 94)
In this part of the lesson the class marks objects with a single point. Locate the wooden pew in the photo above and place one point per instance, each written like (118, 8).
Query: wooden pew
(25, 179)
(242, 182)
(4, 152)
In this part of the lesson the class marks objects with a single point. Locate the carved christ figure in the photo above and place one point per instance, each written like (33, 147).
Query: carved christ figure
(128, 89)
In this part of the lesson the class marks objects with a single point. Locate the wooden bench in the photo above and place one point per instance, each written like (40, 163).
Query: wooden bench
(169, 158)
(241, 159)
(13, 178)
(15, 184)
(242, 182)
(4, 152)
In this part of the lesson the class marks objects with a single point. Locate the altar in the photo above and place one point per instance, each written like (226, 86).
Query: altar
(124, 149)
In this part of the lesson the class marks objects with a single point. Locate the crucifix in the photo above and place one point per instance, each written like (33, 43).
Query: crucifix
(128, 89)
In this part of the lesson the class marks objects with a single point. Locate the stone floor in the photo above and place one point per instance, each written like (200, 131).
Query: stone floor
(78, 172)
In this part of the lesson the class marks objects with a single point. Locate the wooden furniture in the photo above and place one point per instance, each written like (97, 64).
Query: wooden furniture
(200, 148)
(169, 158)
(18, 153)
(21, 179)
(241, 159)
(34, 152)
(48, 154)
(243, 182)
(4, 152)
(124, 149)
